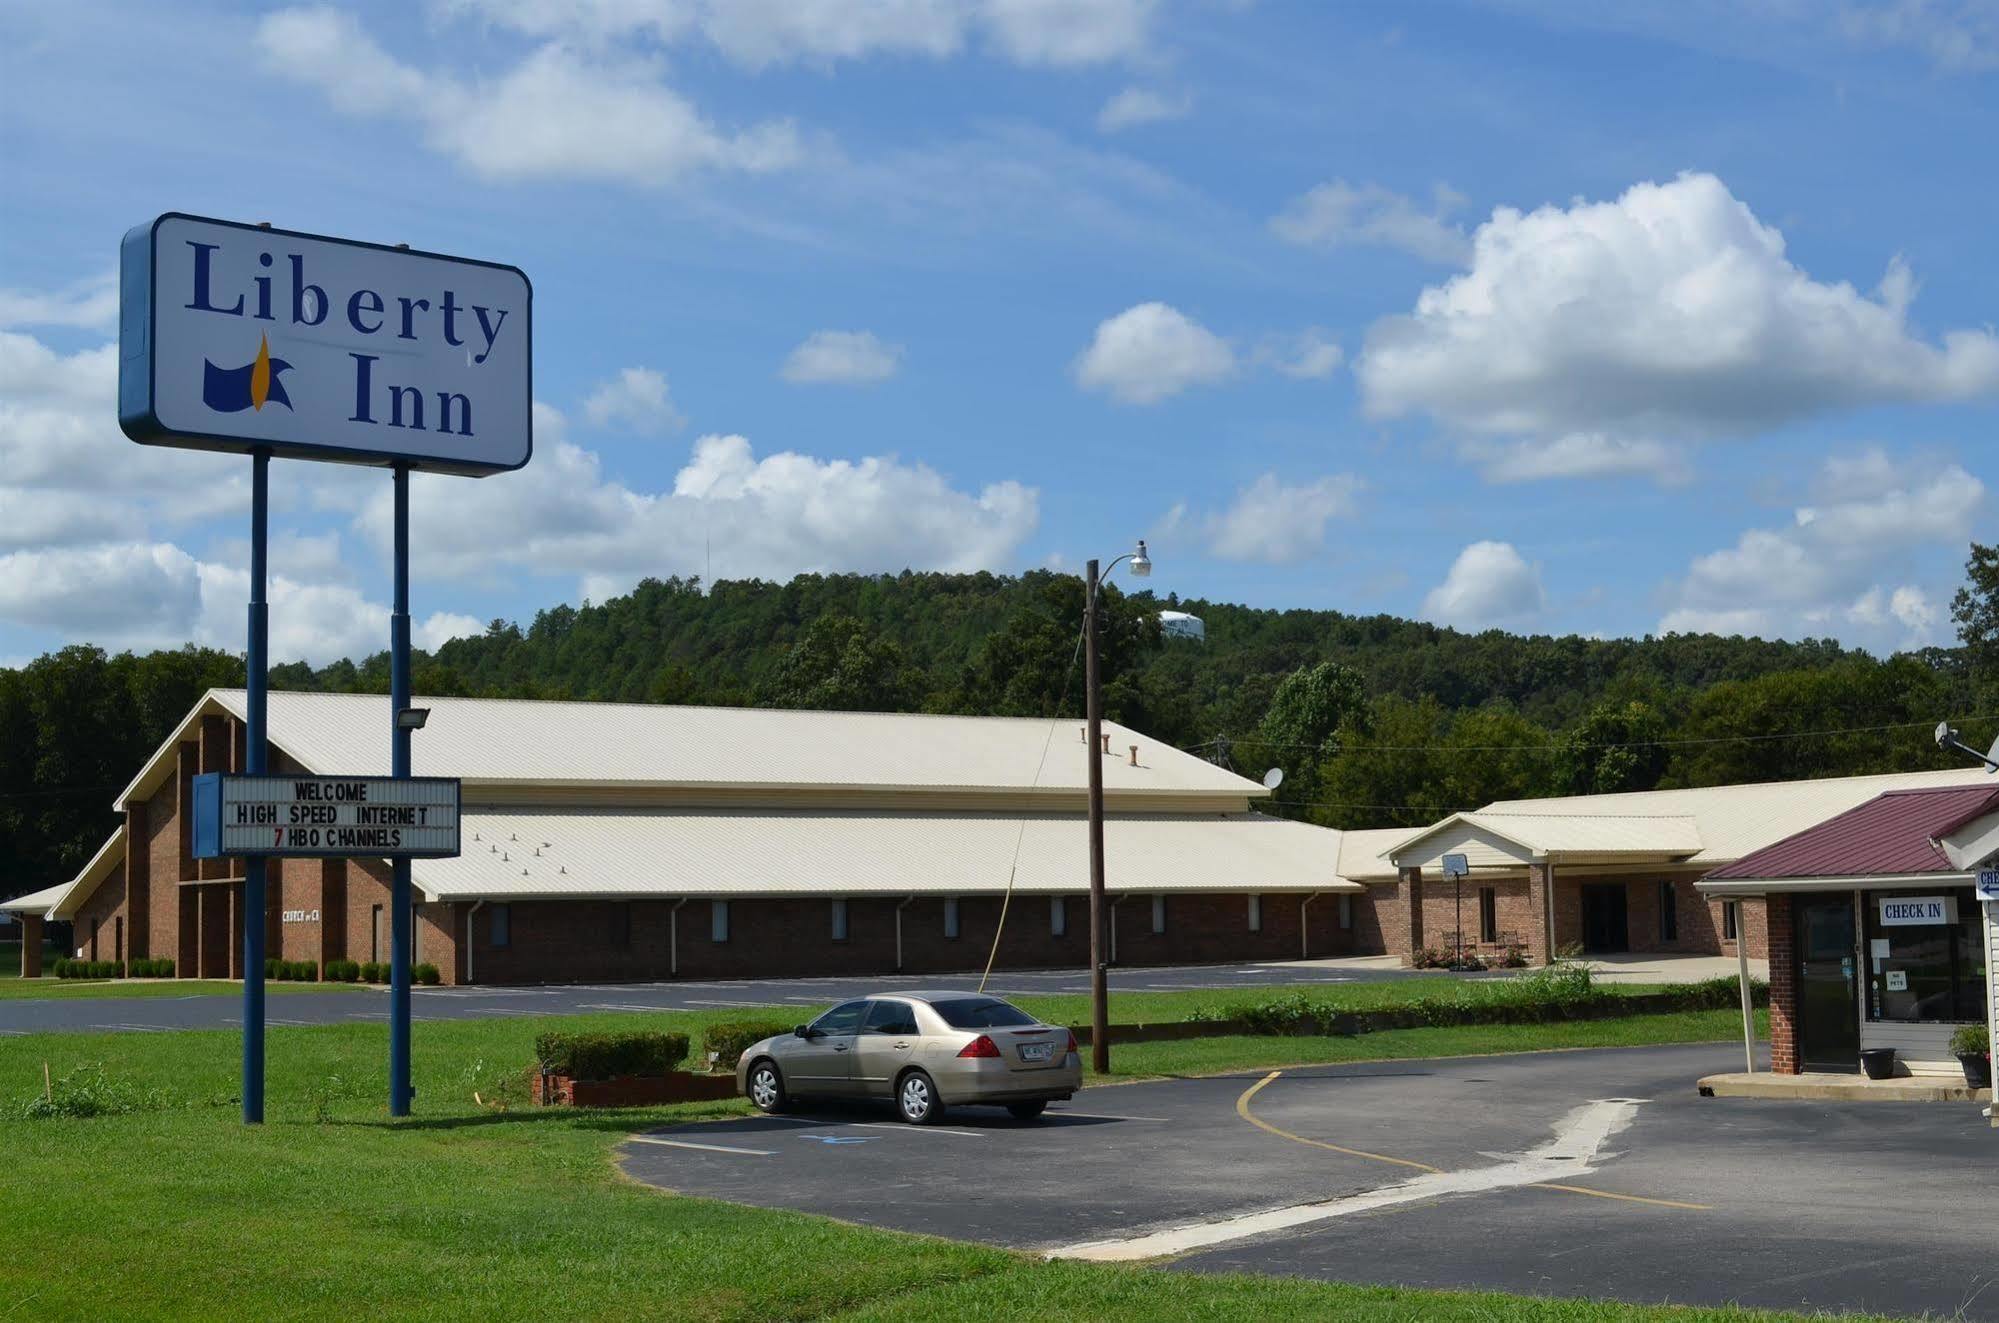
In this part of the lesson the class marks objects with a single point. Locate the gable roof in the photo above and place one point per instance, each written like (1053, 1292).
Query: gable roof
(1895, 834)
(1500, 838)
(503, 742)
(35, 902)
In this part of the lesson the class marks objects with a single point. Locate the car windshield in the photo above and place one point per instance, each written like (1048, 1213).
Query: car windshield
(980, 1013)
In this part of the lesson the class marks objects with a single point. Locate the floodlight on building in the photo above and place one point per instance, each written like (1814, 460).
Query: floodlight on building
(412, 718)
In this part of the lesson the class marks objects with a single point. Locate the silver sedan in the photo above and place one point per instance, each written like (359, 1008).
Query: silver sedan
(925, 1050)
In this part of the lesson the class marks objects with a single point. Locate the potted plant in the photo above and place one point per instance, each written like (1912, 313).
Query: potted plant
(1878, 1062)
(1972, 1045)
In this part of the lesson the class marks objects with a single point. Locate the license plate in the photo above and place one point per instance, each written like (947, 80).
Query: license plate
(1036, 1051)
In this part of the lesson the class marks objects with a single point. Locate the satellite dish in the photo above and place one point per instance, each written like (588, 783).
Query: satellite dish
(1273, 778)
(1944, 732)
(1992, 758)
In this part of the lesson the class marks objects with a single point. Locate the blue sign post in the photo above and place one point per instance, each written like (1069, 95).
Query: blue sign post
(266, 342)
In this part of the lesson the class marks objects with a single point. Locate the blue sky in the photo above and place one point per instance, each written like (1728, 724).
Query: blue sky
(1504, 313)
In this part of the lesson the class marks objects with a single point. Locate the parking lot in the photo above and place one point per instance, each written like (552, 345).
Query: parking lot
(1594, 1173)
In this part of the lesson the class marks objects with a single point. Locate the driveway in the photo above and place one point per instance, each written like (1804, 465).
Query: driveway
(1597, 1173)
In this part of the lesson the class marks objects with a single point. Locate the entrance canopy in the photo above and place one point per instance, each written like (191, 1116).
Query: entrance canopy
(1513, 840)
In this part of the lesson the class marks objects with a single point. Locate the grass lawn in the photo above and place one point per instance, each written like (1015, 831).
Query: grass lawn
(332, 1210)
(63, 989)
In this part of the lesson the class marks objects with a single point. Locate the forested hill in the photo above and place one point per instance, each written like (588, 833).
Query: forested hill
(1376, 720)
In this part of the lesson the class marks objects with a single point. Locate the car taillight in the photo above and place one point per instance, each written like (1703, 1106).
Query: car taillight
(982, 1046)
(1071, 1049)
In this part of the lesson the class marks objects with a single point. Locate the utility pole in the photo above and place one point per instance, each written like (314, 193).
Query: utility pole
(1093, 706)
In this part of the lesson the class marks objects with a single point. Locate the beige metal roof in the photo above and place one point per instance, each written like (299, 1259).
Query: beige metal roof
(1734, 820)
(525, 742)
(705, 852)
(1364, 854)
(78, 889)
(1495, 839)
(35, 902)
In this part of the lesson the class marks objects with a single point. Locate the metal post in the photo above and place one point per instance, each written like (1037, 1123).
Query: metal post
(1458, 914)
(402, 918)
(1100, 1012)
(1748, 1003)
(256, 681)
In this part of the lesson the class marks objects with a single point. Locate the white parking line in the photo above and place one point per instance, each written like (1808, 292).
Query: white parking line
(705, 1148)
(1104, 1116)
(510, 1013)
(917, 1129)
(623, 1006)
(696, 1001)
(135, 1028)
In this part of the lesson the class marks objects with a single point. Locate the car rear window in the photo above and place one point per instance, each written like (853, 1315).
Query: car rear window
(980, 1013)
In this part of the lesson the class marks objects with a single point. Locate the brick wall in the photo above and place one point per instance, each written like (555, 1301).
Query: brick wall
(1783, 987)
(1518, 919)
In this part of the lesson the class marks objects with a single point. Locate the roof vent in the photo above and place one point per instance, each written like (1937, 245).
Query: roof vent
(1107, 741)
(563, 871)
(503, 856)
(524, 872)
(537, 852)
(1134, 755)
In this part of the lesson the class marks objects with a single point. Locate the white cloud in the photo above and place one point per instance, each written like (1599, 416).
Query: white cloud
(637, 399)
(1668, 315)
(1490, 584)
(1150, 352)
(841, 358)
(1276, 523)
(1308, 356)
(1341, 213)
(1578, 455)
(89, 304)
(759, 33)
(559, 114)
(443, 626)
(770, 517)
(1958, 36)
(1825, 569)
(1141, 105)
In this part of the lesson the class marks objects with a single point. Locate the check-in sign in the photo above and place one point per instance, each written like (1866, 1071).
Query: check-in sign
(237, 337)
(1988, 884)
(325, 817)
(1916, 911)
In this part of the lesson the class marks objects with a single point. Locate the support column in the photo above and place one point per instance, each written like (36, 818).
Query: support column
(1783, 985)
(139, 882)
(1541, 900)
(1409, 891)
(31, 946)
(238, 919)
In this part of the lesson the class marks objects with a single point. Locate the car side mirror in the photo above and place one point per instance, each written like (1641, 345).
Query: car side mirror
(803, 1031)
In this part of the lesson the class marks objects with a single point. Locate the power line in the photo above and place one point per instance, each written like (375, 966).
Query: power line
(1556, 745)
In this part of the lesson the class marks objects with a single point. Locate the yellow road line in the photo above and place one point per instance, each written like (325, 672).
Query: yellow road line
(1242, 1110)
(1626, 1198)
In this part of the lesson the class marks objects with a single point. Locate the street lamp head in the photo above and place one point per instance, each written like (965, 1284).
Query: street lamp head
(1944, 734)
(1141, 564)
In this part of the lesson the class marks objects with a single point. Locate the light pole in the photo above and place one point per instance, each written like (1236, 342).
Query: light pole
(1100, 996)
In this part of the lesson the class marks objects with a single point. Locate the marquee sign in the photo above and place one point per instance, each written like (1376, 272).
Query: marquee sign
(240, 337)
(325, 817)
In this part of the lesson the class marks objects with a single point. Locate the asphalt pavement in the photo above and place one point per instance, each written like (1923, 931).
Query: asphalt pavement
(348, 1004)
(1593, 1174)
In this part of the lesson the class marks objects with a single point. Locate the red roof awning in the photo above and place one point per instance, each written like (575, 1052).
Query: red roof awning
(1891, 835)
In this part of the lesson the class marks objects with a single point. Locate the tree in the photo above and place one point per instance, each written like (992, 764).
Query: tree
(1975, 608)
(1307, 713)
(1614, 748)
(840, 664)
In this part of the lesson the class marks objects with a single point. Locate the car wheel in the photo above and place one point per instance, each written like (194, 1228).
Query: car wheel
(916, 1099)
(766, 1087)
(1026, 1111)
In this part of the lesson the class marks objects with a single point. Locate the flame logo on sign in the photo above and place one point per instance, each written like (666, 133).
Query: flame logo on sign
(232, 390)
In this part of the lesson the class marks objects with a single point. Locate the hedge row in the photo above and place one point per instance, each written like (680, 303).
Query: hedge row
(347, 971)
(66, 967)
(726, 1042)
(608, 1056)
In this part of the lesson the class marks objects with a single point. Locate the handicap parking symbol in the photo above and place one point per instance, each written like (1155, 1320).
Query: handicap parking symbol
(837, 1139)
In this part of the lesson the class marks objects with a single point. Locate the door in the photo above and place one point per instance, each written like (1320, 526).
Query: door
(1828, 983)
(822, 1062)
(888, 1042)
(1606, 926)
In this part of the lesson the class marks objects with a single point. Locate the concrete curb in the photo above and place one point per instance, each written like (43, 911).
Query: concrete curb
(1840, 1088)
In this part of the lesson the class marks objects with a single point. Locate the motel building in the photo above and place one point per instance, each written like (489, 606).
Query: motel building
(1877, 940)
(607, 842)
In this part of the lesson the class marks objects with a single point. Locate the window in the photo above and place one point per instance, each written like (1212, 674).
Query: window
(1488, 914)
(1669, 913)
(1926, 972)
(1158, 913)
(502, 931)
(375, 934)
(621, 924)
(980, 1013)
(1728, 920)
(890, 1017)
(718, 920)
(1256, 914)
(842, 1019)
(950, 916)
(1346, 911)
(1058, 916)
(839, 920)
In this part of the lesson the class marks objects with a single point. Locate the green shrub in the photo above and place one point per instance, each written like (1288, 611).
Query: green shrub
(731, 1038)
(342, 971)
(88, 1091)
(370, 972)
(427, 975)
(607, 1056)
(1430, 958)
(1971, 1040)
(1564, 983)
